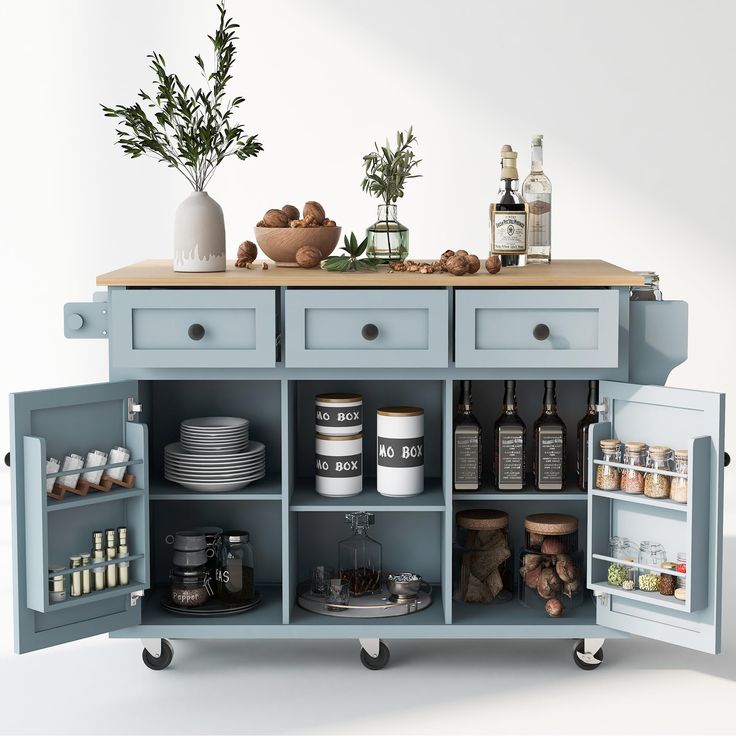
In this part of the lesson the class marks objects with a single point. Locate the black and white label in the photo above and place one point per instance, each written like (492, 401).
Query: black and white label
(510, 455)
(467, 457)
(508, 232)
(346, 466)
(338, 417)
(393, 453)
(551, 460)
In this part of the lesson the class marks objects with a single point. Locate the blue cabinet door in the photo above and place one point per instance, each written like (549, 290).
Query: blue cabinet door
(678, 419)
(47, 531)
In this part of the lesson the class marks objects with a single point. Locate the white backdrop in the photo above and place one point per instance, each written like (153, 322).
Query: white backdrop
(635, 100)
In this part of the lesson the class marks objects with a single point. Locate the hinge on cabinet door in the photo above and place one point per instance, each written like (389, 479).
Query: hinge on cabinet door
(133, 409)
(602, 598)
(135, 596)
(602, 409)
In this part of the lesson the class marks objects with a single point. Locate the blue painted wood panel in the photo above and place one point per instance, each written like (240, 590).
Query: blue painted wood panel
(496, 328)
(151, 328)
(325, 328)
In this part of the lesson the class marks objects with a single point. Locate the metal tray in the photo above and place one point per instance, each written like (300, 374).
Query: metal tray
(377, 605)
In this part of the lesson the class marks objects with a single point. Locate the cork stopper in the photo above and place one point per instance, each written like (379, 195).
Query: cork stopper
(635, 447)
(659, 452)
(610, 445)
(681, 454)
(482, 519)
(551, 524)
(508, 162)
(337, 398)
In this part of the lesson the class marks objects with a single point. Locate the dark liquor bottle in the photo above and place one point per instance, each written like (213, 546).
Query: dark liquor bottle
(509, 444)
(467, 439)
(508, 215)
(590, 417)
(550, 439)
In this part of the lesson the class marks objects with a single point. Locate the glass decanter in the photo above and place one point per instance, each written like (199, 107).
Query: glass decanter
(359, 556)
(388, 239)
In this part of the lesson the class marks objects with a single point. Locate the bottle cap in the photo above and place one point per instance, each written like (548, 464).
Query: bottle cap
(537, 139)
(508, 163)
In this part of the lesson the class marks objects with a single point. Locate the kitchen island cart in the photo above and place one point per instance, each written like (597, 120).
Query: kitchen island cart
(262, 344)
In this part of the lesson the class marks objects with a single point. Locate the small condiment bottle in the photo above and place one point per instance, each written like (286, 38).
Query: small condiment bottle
(76, 577)
(98, 555)
(678, 486)
(57, 586)
(681, 567)
(111, 570)
(86, 574)
(122, 554)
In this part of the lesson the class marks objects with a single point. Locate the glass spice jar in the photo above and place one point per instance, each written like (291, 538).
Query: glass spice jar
(678, 486)
(667, 581)
(657, 485)
(617, 573)
(608, 477)
(632, 480)
(235, 573)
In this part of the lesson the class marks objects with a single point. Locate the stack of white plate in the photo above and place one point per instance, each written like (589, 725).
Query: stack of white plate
(214, 455)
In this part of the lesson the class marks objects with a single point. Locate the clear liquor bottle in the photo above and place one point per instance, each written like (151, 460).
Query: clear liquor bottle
(508, 215)
(468, 447)
(590, 417)
(509, 444)
(537, 193)
(550, 444)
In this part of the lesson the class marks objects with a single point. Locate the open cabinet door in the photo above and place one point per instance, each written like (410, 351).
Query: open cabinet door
(47, 531)
(678, 419)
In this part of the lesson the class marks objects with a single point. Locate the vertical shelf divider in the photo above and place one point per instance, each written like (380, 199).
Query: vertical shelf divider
(288, 519)
(447, 420)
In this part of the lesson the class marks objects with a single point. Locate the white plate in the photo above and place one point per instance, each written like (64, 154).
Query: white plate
(219, 450)
(214, 423)
(212, 478)
(214, 471)
(210, 440)
(215, 487)
(234, 458)
(175, 449)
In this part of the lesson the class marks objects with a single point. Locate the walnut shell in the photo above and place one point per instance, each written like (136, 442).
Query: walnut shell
(554, 608)
(247, 253)
(532, 577)
(290, 211)
(462, 252)
(457, 265)
(549, 584)
(314, 210)
(535, 539)
(572, 587)
(553, 546)
(329, 223)
(308, 256)
(276, 218)
(493, 264)
(565, 568)
(473, 264)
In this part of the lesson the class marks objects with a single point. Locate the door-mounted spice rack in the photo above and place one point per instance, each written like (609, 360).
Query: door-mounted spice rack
(83, 486)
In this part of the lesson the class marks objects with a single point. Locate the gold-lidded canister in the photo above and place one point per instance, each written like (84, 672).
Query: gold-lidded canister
(338, 414)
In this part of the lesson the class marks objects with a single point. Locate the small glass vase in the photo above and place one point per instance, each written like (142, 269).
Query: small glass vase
(388, 239)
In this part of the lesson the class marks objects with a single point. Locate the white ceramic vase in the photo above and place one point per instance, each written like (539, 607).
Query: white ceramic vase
(199, 235)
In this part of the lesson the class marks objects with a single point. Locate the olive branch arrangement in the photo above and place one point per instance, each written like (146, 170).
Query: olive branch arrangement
(387, 169)
(189, 130)
(352, 261)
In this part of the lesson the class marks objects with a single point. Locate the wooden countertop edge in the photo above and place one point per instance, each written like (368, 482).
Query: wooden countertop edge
(559, 273)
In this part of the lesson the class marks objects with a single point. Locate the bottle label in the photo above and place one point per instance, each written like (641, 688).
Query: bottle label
(508, 232)
(400, 453)
(510, 456)
(551, 460)
(350, 417)
(467, 458)
(331, 466)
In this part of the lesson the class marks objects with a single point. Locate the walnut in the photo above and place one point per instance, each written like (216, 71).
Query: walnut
(296, 223)
(310, 221)
(473, 264)
(264, 266)
(493, 264)
(570, 588)
(457, 265)
(549, 584)
(462, 252)
(276, 218)
(565, 568)
(444, 258)
(329, 223)
(397, 266)
(314, 210)
(308, 256)
(553, 546)
(426, 268)
(247, 253)
(260, 223)
(531, 578)
(290, 211)
(554, 608)
(413, 267)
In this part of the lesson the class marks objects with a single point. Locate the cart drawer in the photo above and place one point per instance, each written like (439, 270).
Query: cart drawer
(192, 328)
(534, 328)
(367, 328)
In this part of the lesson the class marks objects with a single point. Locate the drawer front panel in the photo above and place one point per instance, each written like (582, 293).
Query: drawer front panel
(367, 328)
(537, 329)
(193, 328)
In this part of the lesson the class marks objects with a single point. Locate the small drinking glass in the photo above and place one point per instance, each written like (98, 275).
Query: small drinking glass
(321, 577)
(338, 593)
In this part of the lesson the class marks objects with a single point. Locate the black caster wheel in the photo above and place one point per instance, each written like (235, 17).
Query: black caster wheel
(162, 661)
(376, 663)
(586, 661)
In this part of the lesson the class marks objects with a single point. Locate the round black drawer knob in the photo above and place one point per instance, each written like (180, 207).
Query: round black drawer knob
(541, 332)
(7, 459)
(369, 332)
(196, 331)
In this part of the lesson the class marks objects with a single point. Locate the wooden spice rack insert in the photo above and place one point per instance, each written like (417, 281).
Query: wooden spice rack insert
(94, 565)
(639, 565)
(83, 486)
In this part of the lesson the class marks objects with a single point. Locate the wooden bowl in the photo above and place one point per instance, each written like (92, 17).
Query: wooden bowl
(280, 244)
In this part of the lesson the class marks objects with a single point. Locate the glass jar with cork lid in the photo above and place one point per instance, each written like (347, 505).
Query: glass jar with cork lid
(632, 477)
(678, 485)
(482, 556)
(608, 477)
(657, 485)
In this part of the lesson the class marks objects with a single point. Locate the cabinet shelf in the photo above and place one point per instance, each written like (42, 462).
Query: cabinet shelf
(642, 499)
(74, 502)
(266, 489)
(528, 494)
(643, 596)
(305, 498)
(639, 566)
(97, 595)
(514, 614)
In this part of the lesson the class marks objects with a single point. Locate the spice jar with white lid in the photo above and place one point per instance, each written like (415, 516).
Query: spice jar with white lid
(657, 485)
(608, 477)
(338, 465)
(678, 485)
(338, 414)
(632, 478)
(400, 451)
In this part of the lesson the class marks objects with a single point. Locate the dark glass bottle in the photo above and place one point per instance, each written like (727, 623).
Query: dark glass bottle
(590, 417)
(509, 444)
(467, 439)
(550, 440)
(508, 215)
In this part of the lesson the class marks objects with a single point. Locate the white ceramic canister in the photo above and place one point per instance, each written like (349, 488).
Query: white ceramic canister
(400, 451)
(338, 464)
(338, 414)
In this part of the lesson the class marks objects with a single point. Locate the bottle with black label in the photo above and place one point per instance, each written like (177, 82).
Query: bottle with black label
(590, 417)
(508, 215)
(467, 438)
(550, 439)
(509, 444)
